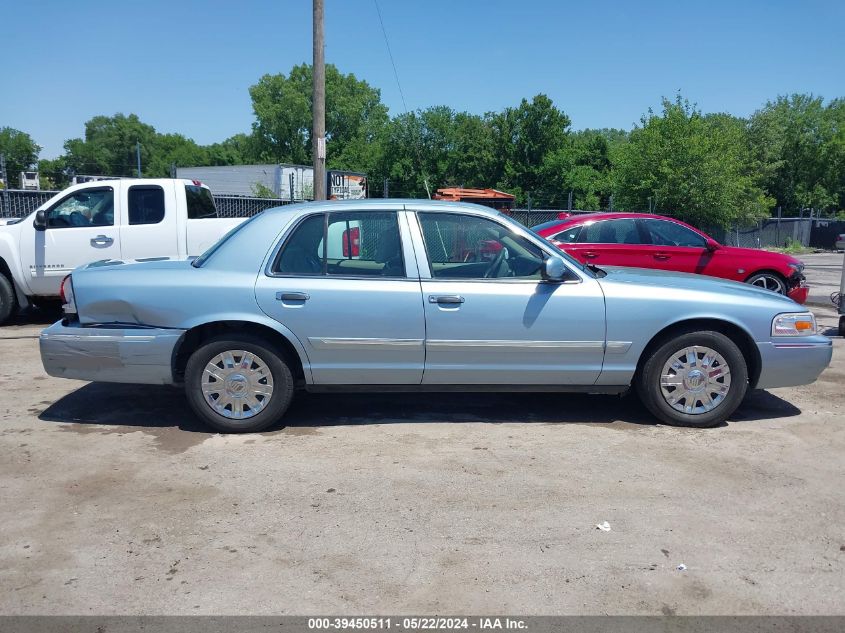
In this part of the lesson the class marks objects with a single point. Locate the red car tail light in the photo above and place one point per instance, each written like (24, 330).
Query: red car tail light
(66, 294)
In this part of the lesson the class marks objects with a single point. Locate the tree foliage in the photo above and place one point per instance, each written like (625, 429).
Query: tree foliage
(709, 169)
(694, 167)
(21, 153)
(282, 106)
(800, 146)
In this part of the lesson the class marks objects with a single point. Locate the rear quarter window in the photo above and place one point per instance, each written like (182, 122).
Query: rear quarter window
(200, 203)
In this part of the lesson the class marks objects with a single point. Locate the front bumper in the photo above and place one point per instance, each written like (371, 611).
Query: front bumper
(109, 354)
(790, 363)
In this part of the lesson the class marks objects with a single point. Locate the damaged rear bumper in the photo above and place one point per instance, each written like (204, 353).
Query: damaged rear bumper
(109, 354)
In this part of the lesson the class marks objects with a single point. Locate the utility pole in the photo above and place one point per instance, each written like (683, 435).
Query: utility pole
(386, 189)
(138, 156)
(318, 107)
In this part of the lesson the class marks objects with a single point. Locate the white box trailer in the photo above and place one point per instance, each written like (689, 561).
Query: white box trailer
(279, 180)
(252, 180)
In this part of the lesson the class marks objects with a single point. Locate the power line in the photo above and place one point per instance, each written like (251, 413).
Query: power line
(401, 94)
(390, 54)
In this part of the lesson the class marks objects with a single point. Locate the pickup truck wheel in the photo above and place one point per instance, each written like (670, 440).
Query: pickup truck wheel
(695, 379)
(8, 300)
(238, 383)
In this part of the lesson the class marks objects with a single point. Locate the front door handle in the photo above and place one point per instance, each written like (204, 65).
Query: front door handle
(591, 254)
(101, 240)
(446, 299)
(292, 296)
(661, 256)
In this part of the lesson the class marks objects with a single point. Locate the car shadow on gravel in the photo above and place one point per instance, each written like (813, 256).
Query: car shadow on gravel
(160, 407)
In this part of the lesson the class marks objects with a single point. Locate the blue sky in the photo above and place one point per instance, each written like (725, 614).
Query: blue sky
(186, 66)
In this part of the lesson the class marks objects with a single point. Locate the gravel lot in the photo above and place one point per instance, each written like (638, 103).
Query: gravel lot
(116, 501)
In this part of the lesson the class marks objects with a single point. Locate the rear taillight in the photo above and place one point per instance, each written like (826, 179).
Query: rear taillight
(66, 294)
(352, 242)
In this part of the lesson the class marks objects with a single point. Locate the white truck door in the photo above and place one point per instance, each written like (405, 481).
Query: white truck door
(82, 227)
(149, 226)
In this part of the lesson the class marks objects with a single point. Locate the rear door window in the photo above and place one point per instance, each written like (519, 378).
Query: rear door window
(146, 204)
(200, 203)
(623, 231)
(347, 244)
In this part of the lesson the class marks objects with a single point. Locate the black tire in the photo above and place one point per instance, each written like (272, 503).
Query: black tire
(8, 300)
(650, 391)
(268, 358)
(768, 280)
(842, 326)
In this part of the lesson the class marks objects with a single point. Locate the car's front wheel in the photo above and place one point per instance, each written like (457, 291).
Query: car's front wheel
(694, 379)
(238, 383)
(768, 281)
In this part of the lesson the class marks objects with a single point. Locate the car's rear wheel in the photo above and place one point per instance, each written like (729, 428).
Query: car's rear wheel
(238, 383)
(768, 280)
(694, 379)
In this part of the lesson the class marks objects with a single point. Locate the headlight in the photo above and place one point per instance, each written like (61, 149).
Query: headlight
(794, 324)
(797, 266)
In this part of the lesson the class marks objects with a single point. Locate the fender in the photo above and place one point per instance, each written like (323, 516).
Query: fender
(10, 259)
(258, 319)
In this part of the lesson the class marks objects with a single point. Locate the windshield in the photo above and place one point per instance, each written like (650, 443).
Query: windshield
(554, 249)
(199, 261)
(546, 225)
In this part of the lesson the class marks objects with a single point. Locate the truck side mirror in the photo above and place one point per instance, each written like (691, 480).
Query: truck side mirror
(40, 222)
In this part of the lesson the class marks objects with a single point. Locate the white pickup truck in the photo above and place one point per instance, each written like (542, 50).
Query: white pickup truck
(113, 219)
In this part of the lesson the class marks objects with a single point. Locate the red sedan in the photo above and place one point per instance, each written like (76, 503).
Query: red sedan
(653, 241)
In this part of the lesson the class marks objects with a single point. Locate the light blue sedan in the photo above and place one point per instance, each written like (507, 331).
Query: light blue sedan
(386, 295)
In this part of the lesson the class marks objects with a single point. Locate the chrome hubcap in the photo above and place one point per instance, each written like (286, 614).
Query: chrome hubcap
(237, 384)
(695, 380)
(768, 282)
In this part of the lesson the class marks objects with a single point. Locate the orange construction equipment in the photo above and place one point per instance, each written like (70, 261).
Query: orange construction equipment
(488, 197)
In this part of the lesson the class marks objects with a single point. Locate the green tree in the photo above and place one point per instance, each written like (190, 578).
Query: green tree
(21, 153)
(694, 167)
(109, 146)
(524, 138)
(800, 146)
(282, 106)
(582, 166)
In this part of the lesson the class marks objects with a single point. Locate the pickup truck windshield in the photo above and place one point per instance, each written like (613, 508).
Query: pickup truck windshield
(200, 203)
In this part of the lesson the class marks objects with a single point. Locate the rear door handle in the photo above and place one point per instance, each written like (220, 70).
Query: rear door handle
(661, 256)
(591, 254)
(446, 299)
(101, 240)
(292, 296)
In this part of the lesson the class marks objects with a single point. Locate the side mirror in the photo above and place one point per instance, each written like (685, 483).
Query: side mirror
(712, 245)
(554, 269)
(40, 222)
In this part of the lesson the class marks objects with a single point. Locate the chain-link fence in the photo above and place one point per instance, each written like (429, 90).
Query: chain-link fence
(15, 203)
(771, 232)
(767, 233)
(238, 207)
(19, 204)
